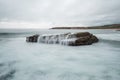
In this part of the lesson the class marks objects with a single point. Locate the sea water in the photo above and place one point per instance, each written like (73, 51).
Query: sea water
(20, 60)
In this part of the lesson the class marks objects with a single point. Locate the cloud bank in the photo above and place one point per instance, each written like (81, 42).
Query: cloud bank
(47, 13)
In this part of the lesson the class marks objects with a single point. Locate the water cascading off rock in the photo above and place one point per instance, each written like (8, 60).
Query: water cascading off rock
(71, 39)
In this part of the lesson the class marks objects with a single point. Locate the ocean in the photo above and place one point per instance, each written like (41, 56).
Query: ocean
(20, 60)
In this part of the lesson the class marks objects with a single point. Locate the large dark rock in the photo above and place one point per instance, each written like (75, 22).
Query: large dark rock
(72, 39)
(84, 38)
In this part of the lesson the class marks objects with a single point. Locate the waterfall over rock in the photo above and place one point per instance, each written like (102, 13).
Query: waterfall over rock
(72, 39)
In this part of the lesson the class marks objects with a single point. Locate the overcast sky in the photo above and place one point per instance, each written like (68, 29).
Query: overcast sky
(49, 13)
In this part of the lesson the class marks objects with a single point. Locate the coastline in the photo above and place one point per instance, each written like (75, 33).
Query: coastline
(111, 26)
(116, 29)
(93, 29)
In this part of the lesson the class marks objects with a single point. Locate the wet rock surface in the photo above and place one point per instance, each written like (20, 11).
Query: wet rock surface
(33, 38)
(71, 39)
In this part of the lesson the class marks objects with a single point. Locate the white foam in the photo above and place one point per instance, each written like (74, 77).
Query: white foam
(33, 61)
(64, 39)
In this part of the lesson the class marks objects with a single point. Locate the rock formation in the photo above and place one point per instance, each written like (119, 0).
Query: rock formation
(33, 38)
(71, 39)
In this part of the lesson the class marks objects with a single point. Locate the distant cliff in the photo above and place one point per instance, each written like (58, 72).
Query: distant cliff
(111, 26)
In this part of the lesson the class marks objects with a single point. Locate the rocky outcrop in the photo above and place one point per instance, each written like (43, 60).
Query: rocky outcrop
(33, 38)
(72, 39)
(84, 38)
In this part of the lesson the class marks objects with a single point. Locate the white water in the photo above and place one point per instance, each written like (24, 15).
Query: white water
(63, 39)
(32, 61)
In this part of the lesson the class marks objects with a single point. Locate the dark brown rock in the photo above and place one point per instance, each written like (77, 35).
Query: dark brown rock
(85, 38)
(82, 34)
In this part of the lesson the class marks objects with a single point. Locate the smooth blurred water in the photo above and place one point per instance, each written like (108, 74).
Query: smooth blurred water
(20, 60)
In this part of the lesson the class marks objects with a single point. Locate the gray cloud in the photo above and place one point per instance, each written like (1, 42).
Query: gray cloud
(61, 12)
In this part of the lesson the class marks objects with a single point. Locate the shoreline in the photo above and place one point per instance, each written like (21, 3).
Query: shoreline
(118, 29)
(110, 26)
